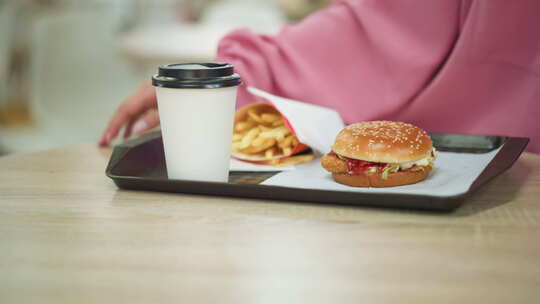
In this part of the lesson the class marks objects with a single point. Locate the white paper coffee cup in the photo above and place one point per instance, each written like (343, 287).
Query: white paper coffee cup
(196, 103)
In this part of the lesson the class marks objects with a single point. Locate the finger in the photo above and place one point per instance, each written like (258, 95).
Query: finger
(128, 127)
(131, 108)
(142, 123)
(143, 99)
(148, 121)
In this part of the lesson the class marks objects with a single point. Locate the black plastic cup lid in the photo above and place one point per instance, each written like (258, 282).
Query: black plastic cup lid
(206, 75)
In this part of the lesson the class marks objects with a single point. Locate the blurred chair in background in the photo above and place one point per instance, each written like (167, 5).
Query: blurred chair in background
(7, 14)
(77, 77)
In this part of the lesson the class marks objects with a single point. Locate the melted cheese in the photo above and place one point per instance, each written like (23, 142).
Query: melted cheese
(423, 162)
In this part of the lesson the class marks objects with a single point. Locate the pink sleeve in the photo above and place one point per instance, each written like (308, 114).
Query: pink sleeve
(363, 58)
(445, 65)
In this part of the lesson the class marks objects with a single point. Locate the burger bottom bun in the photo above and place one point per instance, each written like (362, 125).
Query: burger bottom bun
(398, 178)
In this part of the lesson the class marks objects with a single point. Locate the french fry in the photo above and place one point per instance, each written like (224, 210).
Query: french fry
(252, 121)
(287, 151)
(278, 123)
(269, 153)
(259, 141)
(286, 142)
(265, 145)
(236, 146)
(253, 115)
(278, 133)
(243, 125)
(264, 128)
(249, 137)
(237, 137)
(269, 117)
(260, 135)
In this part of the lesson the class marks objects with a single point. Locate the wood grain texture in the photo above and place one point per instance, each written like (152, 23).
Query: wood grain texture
(68, 235)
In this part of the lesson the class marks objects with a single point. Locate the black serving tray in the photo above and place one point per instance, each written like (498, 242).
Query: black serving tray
(140, 165)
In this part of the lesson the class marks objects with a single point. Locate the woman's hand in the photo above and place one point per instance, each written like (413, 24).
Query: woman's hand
(138, 113)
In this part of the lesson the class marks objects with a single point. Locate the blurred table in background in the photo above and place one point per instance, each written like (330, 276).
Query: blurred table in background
(147, 47)
(68, 235)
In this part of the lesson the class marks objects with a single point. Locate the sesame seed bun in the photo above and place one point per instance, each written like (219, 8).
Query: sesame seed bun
(398, 178)
(383, 142)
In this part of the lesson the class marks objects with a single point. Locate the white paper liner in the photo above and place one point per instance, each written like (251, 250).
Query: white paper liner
(314, 126)
(453, 175)
(242, 166)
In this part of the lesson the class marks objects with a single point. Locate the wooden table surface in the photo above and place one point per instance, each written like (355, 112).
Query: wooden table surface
(68, 235)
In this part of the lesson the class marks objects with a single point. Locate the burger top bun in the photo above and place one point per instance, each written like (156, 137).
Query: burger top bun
(383, 142)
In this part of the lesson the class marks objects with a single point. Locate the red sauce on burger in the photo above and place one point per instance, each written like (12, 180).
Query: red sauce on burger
(356, 166)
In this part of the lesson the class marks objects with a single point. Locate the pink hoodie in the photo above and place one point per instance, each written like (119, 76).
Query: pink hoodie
(447, 66)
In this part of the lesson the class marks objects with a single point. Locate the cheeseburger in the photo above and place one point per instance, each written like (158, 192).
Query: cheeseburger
(380, 154)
